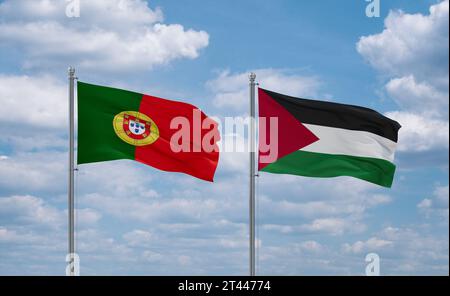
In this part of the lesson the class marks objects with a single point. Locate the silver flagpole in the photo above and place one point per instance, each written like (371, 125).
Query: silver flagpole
(71, 171)
(252, 137)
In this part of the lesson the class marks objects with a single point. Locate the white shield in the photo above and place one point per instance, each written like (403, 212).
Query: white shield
(137, 128)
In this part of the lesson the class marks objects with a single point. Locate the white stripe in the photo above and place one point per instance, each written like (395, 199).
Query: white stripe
(349, 142)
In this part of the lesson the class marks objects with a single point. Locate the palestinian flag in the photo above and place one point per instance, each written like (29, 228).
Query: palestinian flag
(324, 139)
(167, 135)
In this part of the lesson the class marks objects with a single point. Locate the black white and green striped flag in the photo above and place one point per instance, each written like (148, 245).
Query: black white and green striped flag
(325, 139)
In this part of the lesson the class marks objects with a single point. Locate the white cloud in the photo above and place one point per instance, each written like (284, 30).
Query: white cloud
(120, 13)
(34, 112)
(33, 101)
(378, 199)
(410, 43)
(34, 211)
(142, 195)
(235, 242)
(437, 205)
(419, 97)
(30, 210)
(413, 53)
(151, 256)
(404, 250)
(45, 171)
(420, 133)
(312, 246)
(145, 210)
(441, 194)
(419, 251)
(231, 89)
(138, 237)
(371, 245)
(285, 229)
(134, 180)
(92, 242)
(425, 204)
(12, 236)
(110, 35)
(311, 209)
(87, 216)
(333, 226)
(317, 198)
(316, 206)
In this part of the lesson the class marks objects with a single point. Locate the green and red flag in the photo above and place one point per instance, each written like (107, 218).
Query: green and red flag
(119, 124)
(325, 139)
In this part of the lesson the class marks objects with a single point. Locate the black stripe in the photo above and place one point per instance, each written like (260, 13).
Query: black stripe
(338, 115)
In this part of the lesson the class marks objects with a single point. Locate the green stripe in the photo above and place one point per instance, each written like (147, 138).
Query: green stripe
(97, 106)
(311, 164)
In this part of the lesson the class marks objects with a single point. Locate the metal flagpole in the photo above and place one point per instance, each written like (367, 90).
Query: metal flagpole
(71, 171)
(252, 137)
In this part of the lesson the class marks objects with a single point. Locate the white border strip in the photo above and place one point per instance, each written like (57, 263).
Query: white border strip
(349, 142)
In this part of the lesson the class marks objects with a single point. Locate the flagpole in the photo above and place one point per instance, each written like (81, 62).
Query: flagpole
(71, 211)
(252, 78)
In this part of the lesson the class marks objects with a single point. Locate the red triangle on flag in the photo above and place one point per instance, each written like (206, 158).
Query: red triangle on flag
(292, 134)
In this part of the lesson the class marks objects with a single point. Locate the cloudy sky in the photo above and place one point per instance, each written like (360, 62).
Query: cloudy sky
(133, 219)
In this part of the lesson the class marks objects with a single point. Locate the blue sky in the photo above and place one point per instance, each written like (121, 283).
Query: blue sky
(133, 219)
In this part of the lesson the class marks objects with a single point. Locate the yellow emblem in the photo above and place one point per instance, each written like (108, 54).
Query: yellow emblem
(135, 128)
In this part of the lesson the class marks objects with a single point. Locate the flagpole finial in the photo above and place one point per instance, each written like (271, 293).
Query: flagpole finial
(252, 77)
(71, 71)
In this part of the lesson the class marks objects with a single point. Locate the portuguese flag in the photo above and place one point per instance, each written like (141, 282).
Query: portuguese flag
(324, 139)
(167, 135)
